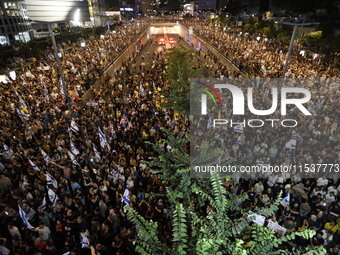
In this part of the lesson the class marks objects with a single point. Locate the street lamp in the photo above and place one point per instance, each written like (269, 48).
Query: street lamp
(292, 40)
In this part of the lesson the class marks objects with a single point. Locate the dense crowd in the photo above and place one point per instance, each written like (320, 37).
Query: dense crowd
(314, 200)
(72, 186)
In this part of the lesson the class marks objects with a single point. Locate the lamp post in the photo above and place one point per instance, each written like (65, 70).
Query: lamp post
(285, 68)
(58, 62)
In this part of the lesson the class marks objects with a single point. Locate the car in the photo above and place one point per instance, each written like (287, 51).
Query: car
(161, 41)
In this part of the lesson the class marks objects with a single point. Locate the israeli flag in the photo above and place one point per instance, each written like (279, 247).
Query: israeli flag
(22, 114)
(102, 140)
(238, 128)
(24, 218)
(46, 157)
(44, 204)
(51, 180)
(96, 153)
(34, 166)
(74, 150)
(126, 197)
(67, 253)
(7, 149)
(286, 200)
(295, 135)
(291, 144)
(84, 240)
(52, 196)
(74, 126)
(73, 159)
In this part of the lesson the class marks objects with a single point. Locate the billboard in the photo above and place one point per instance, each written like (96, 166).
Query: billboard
(58, 10)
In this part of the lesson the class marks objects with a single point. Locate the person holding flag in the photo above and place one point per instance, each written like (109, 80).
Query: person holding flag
(102, 140)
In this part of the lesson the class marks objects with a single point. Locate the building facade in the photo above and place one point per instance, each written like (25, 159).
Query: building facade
(15, 25)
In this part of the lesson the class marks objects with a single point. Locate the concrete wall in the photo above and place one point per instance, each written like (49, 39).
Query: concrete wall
(199, 43)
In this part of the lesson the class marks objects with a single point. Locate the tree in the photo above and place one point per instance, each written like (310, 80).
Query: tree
(214, 233)
(227, 230)
(178, 72)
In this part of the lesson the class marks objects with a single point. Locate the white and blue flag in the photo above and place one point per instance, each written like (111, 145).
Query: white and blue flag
(74, 150)
(84, 240)
(45, 89)
(73, 159)
(102, 140)
(286, 200)
(96, 153)
(126, 197)
(61, 88)
(74, 126)
(45, 156)
(22, 114)
(52, 196)
(24, 218)
(238, 128)
(7, 148)
(51, 180)
(44, 204)
(291, 144)
(34, 166)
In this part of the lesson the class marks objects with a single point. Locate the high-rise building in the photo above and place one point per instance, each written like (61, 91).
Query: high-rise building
(14, 22)
(144, 6)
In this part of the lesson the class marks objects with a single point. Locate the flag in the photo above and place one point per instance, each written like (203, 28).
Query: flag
(74, 150)
(102, 140)
(295, 135)
(34, 166)
(44, 204)
(22, 114)
(23, 216)
(286, 200)
(67, 253)
(51, 180)
(46, 157)
(96, 153)
(291, 144)
(238, 128)
(84, 240)
(23, 105)
(7, 149)
(74, 126)
(73, 159)
(153, 85)
(52, 196)
(126, 197)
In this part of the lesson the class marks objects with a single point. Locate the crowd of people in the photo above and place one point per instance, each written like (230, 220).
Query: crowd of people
(68, 169)
(314, 199)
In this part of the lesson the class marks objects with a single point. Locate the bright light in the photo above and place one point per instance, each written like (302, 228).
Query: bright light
(258, 38)
(113, 32)
(13, 75)
(82, 44)
(76, 16)
(102, 36)
(302, 53)
(266, 39)
(59, 54)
